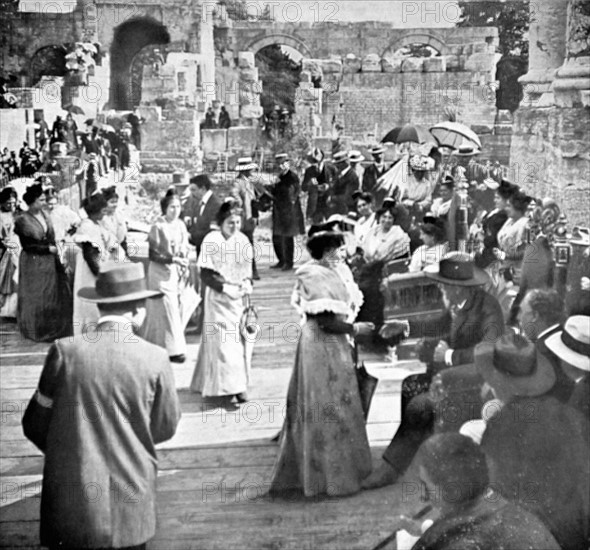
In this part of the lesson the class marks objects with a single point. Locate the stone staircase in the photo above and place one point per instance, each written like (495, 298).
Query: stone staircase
(164, 161)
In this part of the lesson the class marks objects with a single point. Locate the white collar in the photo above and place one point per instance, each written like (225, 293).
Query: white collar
(462, 304)
(125, 323)
(345, 171)
(544, 332)
(206, 197)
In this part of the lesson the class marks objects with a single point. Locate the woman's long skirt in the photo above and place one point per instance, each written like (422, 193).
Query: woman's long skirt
(324, 448)
(44, 298)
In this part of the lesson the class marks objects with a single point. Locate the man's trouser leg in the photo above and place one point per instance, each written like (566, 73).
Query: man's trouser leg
(277, 244)
(288, 250)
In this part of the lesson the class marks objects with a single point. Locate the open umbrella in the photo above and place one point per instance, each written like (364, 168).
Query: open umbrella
(104, 127)
(391, 136)
(454, 135)
(74, 109)
(415, 134)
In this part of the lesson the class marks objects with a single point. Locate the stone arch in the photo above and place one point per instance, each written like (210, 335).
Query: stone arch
(47, 60)
(130, 38)
(417, 38)
(280, 39)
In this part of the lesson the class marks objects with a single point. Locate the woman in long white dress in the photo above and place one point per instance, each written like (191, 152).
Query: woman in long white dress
(95, 247)
(169, 273)
(113, 221)
(223, 362)
(9, 254)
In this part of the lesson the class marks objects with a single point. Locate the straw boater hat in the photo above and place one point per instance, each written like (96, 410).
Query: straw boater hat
(377, 150)
(315, 155)
(467, 151)
(246, 163)
(340, 218)
(341, 156)
(118, 283)
(514, 366)
(572, 344)
(355, 156)
(281, 157)
(456, 269)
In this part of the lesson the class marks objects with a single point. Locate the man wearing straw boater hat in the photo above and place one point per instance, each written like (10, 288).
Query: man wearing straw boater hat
(317, 180)
(372, 174)
(104, 400)
(245, 192)
(472, 316)
(346, 183)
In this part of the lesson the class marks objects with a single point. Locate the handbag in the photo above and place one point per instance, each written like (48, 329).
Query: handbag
(249, 319)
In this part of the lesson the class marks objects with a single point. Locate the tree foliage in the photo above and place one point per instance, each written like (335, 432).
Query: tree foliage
(280, 78)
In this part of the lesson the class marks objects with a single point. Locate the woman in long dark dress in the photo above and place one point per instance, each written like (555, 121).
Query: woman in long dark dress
(44, 296)
(324, 449)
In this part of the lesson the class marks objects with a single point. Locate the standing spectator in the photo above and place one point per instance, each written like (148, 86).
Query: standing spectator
(112, 220)
(372, 174)
(92, 175)
(317, 181)
(367, 218)
(223, 363)
(51, 166)
(136, 120)
(356, 158)
(287, 217)
(169, 274)
(97, 414)
(44, 295)
(9, 254)
(96, 247)
(42, 133)
(244, 192)
(346, 183)
(217, 117)
(200, 209)
(58, 131)
(12, 166)
(71, 134)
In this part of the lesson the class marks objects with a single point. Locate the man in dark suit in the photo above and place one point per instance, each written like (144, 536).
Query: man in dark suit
(287, 217)
(103, 402)
(200, 209)
(346, 184)
(317, 181)
(372, 173)
(472, 316)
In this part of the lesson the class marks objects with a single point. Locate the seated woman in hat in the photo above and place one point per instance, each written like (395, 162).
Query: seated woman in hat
(223, 364)
(44, 295)
(433, 235)
(325, 452)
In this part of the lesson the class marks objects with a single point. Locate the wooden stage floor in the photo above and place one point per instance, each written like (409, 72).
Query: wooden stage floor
(214, 473)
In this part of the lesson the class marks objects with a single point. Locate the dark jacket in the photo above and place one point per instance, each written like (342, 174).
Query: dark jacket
(371, 175)
(199, 225)
(108, 398)
(317, 207)
(491, 225)
(340, 201)
(287, 216)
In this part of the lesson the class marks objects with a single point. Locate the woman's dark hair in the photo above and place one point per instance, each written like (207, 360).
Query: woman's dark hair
(434, 227)
(520, 201)
(170, 196)
(110, 193)
(320, 241)
(449, 182)
(50, 193)
(6, 194)
(94, 204)
(32, 193)
(388, 207)
(506, 189)
(362, 196)
(227, 209)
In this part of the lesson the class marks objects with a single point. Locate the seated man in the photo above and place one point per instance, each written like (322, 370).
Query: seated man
(472, 316)
(537, 447)
(454, 473)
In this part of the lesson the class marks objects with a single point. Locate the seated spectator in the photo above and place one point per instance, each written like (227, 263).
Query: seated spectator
(433, 235)
(537, 447)
(472, 515)
(572, 347)
(366, 220)
(442, 204)
(113, 221)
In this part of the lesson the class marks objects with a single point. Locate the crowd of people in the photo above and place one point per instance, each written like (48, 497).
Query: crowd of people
(504, 338)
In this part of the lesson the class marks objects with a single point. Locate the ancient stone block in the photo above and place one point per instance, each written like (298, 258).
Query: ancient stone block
(250, 111)
(504, 116)
(481, 62)
(246, 60)
(413, 65)
(331, 65)
(482, 128)
(371, 63)
(435, 65)
(313, 66)
(213, 140)
(391, 64)
(453, 62)
(249, 75)
(305, 77)
(480, 47)
(456, 49)
(352, 64)
(151, 113)
(241, 138)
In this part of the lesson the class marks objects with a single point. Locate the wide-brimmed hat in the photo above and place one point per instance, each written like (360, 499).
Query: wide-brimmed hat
(457, 269)
(339, 218)
(421, 163)
(467, 151)
(377, 150)
(572, 344)
(340, 156)
(118, 283)
(246, 163)
(491, 183)
(514, 366)
(315, 155)
(355, 156)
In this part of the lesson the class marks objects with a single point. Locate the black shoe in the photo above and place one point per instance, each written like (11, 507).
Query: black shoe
(177, 358)
(242, 397)
(277, 266)
(287, 268)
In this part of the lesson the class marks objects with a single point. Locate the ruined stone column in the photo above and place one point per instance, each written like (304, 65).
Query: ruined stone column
(572, 82)
(547, 48)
